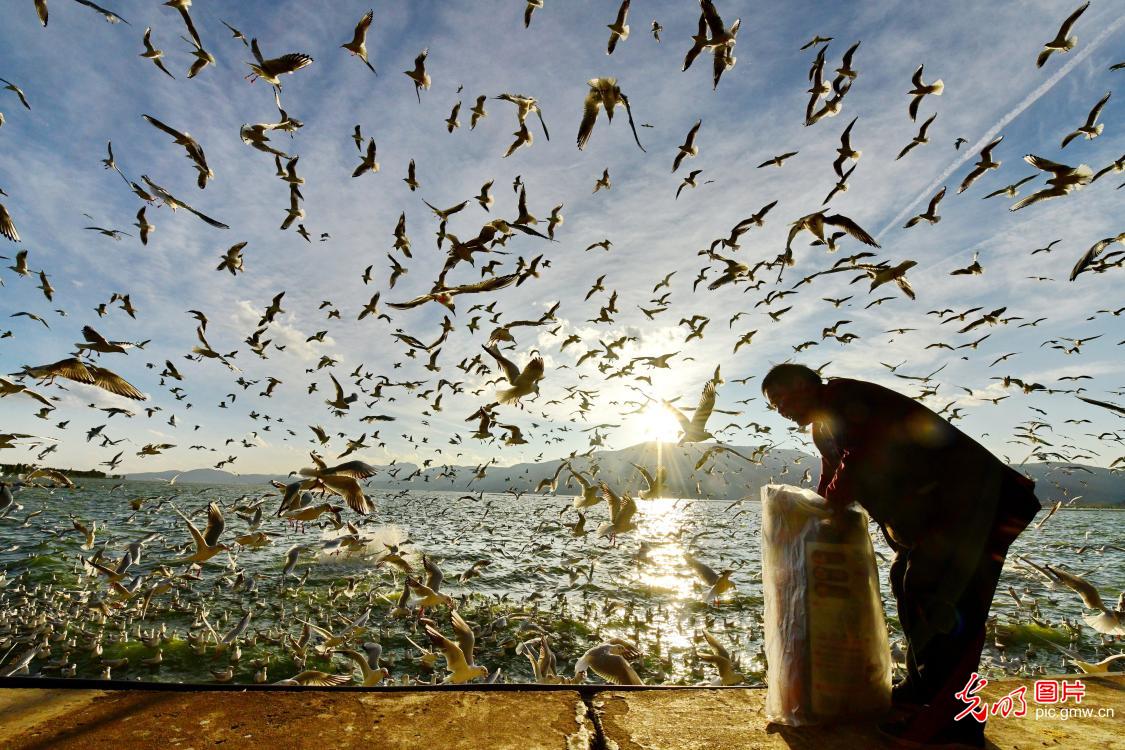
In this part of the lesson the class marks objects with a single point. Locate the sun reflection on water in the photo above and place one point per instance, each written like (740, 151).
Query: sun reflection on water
(660, 563)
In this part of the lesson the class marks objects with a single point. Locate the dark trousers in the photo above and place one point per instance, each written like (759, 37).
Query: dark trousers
(941, 666)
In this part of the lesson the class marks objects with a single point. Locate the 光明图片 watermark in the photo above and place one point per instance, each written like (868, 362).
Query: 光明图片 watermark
(1048, 694)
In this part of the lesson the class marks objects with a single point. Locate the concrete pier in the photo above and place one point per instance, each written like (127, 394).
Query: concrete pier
(558, 719)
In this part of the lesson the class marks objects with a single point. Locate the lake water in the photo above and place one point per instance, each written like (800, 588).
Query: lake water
(580, 589)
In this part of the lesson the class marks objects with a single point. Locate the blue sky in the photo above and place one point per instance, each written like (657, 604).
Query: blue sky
(87, 85)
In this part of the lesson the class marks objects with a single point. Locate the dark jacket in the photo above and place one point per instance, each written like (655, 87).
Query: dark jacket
(917, 475)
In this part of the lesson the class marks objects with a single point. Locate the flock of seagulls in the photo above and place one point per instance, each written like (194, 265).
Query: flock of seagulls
(516, 381)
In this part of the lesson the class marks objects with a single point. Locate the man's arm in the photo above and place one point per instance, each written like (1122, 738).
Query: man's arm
(840, 489)
(827, 470)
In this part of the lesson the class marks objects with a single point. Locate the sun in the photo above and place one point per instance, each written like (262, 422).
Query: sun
(660, 424)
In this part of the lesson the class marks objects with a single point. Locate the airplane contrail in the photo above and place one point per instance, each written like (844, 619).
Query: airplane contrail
(984, 140)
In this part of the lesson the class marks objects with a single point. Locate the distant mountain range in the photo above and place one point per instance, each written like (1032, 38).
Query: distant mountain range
(723, 476)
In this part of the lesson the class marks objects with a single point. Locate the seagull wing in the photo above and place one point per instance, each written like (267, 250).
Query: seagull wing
(1084, 588)
(114, 383)
(454, 656)
(349, 489)
(200, 542)
(511, 372)
(1064, 30)
(1093, 116)
(215, 525)
(354, 469)
(465, 638)
(706, 406)
(849, 226)
(589, 117)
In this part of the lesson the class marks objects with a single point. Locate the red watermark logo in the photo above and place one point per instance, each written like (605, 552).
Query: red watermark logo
(1046, 692)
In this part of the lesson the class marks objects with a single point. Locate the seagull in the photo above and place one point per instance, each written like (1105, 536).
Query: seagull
(1061, 42)
(983, 164)
(235, 33)
(367, 161)
(1064, 179)
(173, 203)
(340, 402)
(206, 544)
(816, 222)
(618, 30)
(845, 70)
(451, 122)
(604, 92)
(603, 181)
(532, 6)
(1107, 621)
(316, 678)
(7, 227)
(922, 89)
(477, 111)
(719, 583)
(694, 430)
(1117, 167)
(1091, 255)
(232, 260)
(419, 75)
(590, 492)
(95, 342)
(8, 388)
(610, 662)
(370, 676)
(841, 185)
(524, 382)
(523, 138)
(143, 226)
(444, 294)
(554, 220)
(721, 42)
(1010, 190)
(113, 234)
(720, 658)
(203, 58)
(689, 181)
(818, 39)
(688, 148)
(205, 350)
(340, 480)
(151, 53)
(1092, 129)
(457, 660)
(930, 214)
(358, 45)
(778, 160)
(845, 150)
(9, 86)
(88, 374)
(622, 508)
(1100, 667)
(881, 275)
(655, 488)
(272, 69)
(919, 139)
(108, 15)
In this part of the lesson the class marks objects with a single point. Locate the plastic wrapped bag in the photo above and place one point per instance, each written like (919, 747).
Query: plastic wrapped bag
(826, 640)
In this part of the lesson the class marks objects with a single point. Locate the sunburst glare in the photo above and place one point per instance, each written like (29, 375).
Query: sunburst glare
(660, 424)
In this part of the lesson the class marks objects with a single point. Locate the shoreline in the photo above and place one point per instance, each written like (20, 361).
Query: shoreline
(589, 717)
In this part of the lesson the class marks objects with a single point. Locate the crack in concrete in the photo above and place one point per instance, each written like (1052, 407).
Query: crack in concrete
(599, 741)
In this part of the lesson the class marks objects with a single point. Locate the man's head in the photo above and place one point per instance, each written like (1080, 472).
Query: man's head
(794, 390)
